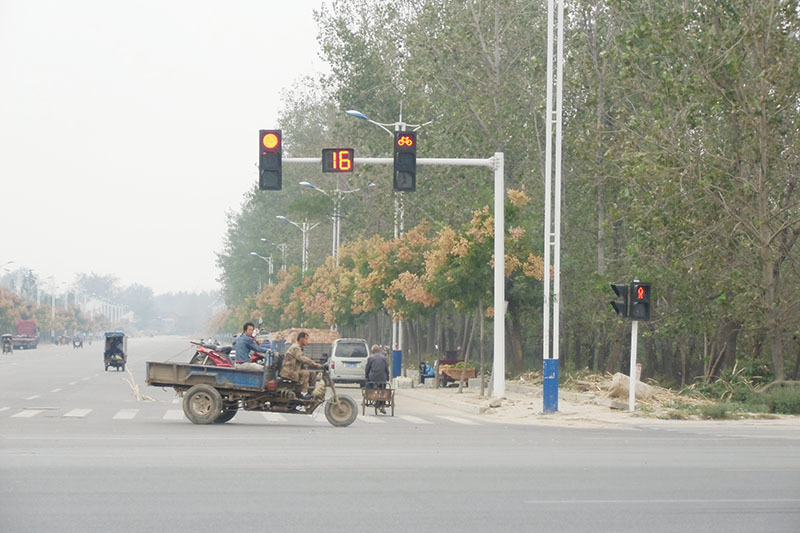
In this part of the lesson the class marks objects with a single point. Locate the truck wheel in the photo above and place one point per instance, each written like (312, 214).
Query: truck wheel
(342, 414)
(202, 404)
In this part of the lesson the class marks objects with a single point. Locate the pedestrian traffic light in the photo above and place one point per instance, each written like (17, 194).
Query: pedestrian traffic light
(640, 301)
(270, 145)
(405, 161)
(620, 305)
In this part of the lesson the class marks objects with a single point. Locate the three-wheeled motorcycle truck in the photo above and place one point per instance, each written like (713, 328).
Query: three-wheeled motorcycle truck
(214, 394)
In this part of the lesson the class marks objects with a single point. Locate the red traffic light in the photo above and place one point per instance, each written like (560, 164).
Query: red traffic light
(269, 160)
(270, 140)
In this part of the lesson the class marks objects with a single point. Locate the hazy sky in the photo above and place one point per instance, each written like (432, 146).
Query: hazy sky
(128, 129)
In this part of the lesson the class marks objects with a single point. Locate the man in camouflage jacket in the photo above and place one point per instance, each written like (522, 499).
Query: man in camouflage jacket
(292, 363)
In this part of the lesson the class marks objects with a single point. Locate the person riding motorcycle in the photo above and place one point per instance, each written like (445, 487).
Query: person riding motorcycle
(292, 363)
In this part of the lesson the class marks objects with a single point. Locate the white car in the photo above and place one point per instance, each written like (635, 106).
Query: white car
(348, 360)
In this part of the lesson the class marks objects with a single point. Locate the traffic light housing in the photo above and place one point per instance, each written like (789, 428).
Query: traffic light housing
(620, 305)
(405, 161)
(640, 301)
(270, 146)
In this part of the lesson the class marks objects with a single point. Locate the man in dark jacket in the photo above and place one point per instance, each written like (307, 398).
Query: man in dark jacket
(377, 371)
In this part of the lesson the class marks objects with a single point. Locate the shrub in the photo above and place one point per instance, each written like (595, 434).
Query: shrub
(715, 411)
(782, 400)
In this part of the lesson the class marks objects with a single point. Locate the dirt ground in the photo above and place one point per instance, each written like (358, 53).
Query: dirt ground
(579, 407)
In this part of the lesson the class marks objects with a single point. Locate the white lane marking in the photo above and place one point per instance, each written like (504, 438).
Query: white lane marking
(73, 382)
(274, 417)
(55, 390)
(77, 413)
(32, 397)
(125, 414)
(173, 414)
(4, 409)
(27, 413)
(414, 419)
(458, 420)
(676, 500)
(371, 420)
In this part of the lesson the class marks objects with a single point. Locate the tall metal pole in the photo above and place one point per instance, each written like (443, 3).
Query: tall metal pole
(552, 228)
(499, 364)
(304, 229)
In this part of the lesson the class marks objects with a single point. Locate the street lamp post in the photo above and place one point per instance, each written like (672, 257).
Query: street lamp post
(397, 327)
(268, 260)
(304, 228)
(337, 196)
(282, 248)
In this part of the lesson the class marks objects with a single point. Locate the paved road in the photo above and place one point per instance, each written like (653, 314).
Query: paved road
(79, 453)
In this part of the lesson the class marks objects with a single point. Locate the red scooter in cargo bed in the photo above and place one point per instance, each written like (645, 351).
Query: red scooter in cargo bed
(213, 355)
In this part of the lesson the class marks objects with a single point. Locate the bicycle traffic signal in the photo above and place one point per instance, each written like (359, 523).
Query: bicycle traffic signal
(405, 161)
(640, 301)
(620, 305)
(270, 145)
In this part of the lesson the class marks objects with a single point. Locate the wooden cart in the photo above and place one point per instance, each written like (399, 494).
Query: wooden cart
(377, 398)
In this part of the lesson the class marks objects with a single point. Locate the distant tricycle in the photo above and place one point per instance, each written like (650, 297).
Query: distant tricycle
(116, 350)
(8, 345)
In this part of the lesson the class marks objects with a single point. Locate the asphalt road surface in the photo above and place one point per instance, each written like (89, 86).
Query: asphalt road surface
(78, 452)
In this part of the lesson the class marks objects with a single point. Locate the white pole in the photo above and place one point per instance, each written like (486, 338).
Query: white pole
(548, 191)
(557, 214)
(499, 363)
(333, 239)
(632, 386)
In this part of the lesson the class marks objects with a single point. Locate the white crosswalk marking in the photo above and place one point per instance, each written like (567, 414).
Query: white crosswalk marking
(73, 382)
(32, 397)
(77, 413)
(27, 413)
(458, 420)
(55, 390)
(176, 400)
(274, 417)
(414, 419)
(85, 379)
(125, 414)
(371, 420)
(173, 414)
(4, 409)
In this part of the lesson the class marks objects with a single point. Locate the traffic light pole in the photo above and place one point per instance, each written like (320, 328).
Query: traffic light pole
(633, 378)
(497, 164)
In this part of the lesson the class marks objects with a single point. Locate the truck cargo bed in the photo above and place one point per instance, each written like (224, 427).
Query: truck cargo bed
(188, 375)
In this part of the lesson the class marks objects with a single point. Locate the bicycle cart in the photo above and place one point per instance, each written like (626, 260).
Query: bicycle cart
(372, 396)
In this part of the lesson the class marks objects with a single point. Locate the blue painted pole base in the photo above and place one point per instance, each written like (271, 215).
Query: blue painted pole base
(397, 363)
(550, 386)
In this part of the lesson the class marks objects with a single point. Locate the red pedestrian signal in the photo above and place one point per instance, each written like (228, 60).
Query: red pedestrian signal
(270, 155)
(640, 301)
